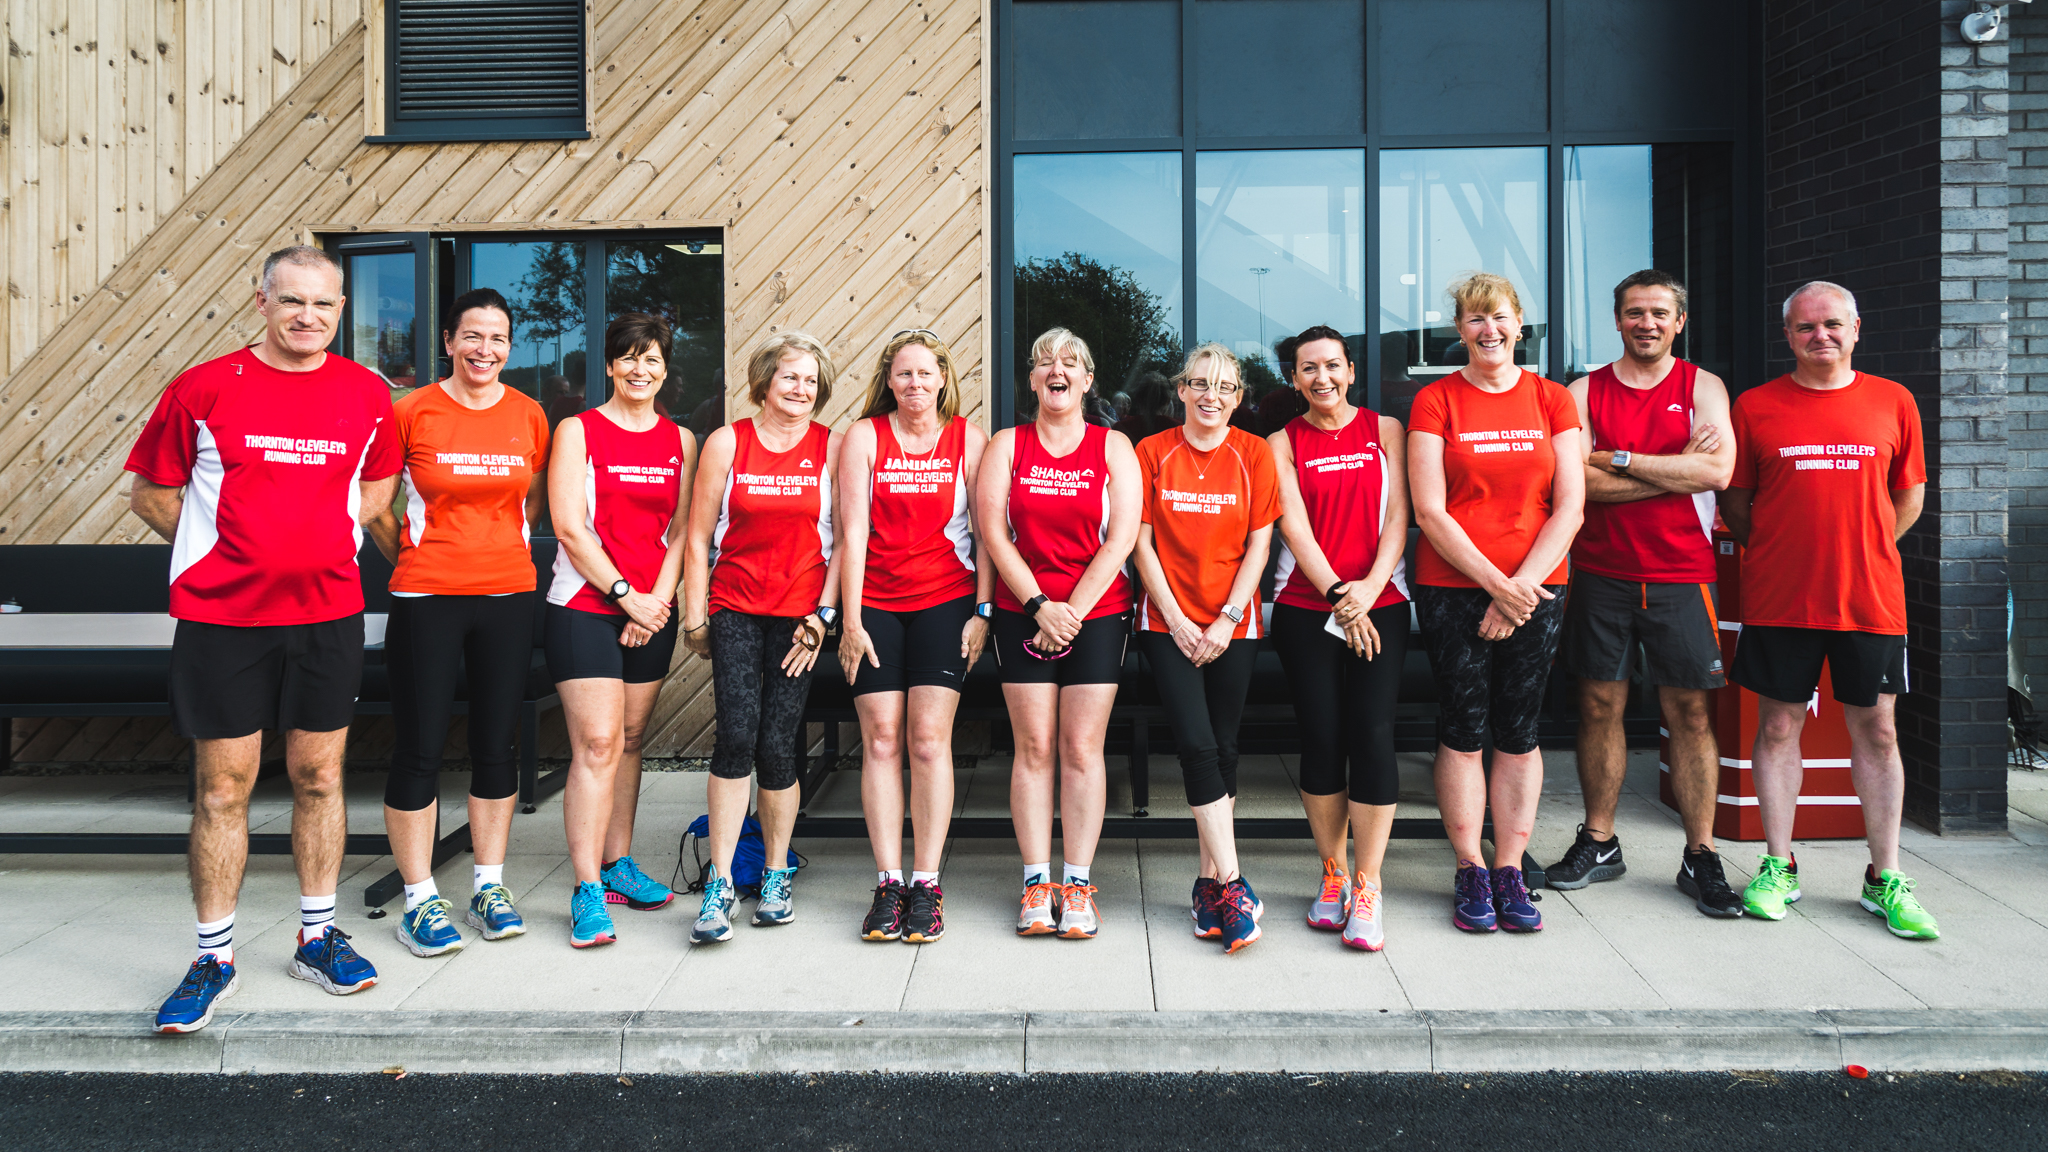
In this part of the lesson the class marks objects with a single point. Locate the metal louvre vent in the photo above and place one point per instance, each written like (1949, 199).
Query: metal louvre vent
(456, 60)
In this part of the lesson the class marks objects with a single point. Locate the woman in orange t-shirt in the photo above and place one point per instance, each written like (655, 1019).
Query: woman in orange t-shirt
(1497, 517)
(1211, 498)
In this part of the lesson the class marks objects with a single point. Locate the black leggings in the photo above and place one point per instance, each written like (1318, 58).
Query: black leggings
(429, 642)
(759, 708)
(1203, 705)
(1344, 704)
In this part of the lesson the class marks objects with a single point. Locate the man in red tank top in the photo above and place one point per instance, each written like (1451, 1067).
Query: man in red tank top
(1643, 577)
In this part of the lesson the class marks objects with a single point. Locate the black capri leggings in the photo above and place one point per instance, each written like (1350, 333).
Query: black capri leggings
(428, 643)
(1344, 704)
(1487, 683)
(759, 708)
(1203, 705)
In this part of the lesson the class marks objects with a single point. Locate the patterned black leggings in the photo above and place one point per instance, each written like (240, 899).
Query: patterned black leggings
(1482, 682)
(758, 707)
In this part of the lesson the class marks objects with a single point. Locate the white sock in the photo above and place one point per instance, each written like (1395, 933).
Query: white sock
(315, 914)
(417, 894)
(218, 937)
(1037, 873)
(486, 875)
(885, 875)
(1076, 873)
(929, 879)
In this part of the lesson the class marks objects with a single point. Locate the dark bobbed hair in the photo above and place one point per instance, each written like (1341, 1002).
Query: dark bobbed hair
(632, 333)
(1288, 348)
(1650, 278)
(474, 298)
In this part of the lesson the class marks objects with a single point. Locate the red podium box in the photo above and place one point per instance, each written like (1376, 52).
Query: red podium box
(1828, 807)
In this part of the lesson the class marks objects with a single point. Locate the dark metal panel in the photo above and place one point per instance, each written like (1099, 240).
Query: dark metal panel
(595, 317)
(1457, 66)
(1649, 65)
(1277, 68)
(1109, 68)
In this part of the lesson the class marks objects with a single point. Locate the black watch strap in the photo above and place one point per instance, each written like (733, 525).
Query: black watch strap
(1032, 605)
(1335, 592)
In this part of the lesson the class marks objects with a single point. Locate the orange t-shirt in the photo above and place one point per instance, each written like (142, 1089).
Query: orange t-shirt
(1823, 465)
(466, 475)
(1202, 506)
(1498, 467)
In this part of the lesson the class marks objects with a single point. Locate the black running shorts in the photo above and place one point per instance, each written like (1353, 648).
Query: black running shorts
(1784, 664)
(1676, 625)
(1095, 657)
(916, 649)
(229, 681)
(585, 646)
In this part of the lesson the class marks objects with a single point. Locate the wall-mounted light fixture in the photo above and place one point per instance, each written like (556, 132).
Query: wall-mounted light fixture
(1982, 25)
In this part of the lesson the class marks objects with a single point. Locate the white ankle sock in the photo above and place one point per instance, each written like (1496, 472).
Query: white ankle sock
(927, 878)
(218, 938)
(1037, 873)
(883, 876)
(486, 875)
(1076, 873)
(420, 893)
(315, 914)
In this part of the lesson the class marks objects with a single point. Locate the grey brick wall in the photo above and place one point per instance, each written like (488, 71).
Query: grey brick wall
(1886, 172)
(2027, 379)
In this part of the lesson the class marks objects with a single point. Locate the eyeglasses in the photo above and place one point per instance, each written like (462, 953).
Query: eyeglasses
(1220, 387)
(1042, 655)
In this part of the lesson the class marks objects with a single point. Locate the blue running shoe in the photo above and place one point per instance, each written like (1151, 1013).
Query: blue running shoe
(1258, 906)
(425, 930)
(1472, 907)
(590, 922)
(1206, 910)
(491, 912)
(1511, 903)
(332, 964)
(777, 904)
(190, 1007)
(625, 883)
(1238, 909)
(714, 920)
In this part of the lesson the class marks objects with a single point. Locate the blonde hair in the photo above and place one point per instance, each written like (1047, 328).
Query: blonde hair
(882, 399)
(761, 364)
(1482, 292)
(1057, 342)
(1210, 351)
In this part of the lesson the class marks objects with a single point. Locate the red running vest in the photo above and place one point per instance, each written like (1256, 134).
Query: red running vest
(630, 484)
(1059, 517)
(1342, 476)
(1666, 539)
(774, 535)
(920, 550)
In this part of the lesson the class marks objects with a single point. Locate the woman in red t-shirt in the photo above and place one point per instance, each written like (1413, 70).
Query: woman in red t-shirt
(759, 565)
(916, 589)
(1059, 498)
(1497, 517)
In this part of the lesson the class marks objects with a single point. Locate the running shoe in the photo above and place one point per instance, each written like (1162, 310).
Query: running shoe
(1078, 917)
(1700, 877)
(714, 918)
(1585, 862)
(425, 929)
(1040, 914)
(625, 883)
(777, 904)
(1892, 898)
(590, 921)
(885, 915)
(332, 963)
(1239, 909)
(1512, 908)
(1208, 917)
(190, 1006)
(1775, 885)
(1333, 903)
(924, 920)
(1258, 905)
(491, 912)
(1472, 904)
(1364, 929)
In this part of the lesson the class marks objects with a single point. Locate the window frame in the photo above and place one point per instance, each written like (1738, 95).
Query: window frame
(380, 94)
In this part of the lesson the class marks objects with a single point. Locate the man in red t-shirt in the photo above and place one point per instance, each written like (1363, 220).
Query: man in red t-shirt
(1828, 475)
(260, 468)
(1643, 577)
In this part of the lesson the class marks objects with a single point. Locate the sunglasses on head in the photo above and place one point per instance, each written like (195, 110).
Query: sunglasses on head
(916, 332)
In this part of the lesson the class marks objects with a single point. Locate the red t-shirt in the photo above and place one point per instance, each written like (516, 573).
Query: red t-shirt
(1664, 539)
(631, 484)
(920, 542)
(1059, 517)
(773, 544)
(270, 462)
(1342, 478)
(1498, 467)
(1202, 506)
(1823, 465)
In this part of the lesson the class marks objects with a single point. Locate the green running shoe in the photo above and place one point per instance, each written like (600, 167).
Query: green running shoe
(1776, 885)
(1892, 898)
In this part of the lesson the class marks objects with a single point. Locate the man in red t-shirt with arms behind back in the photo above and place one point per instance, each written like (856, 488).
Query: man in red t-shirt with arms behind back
(1828, 475)
(260, 468)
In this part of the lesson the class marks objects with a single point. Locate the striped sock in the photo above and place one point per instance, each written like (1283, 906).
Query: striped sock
(315, 914)
(218, 937)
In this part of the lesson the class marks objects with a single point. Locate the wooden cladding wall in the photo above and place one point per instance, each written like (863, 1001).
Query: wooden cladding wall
(115, 111)
(839, 146)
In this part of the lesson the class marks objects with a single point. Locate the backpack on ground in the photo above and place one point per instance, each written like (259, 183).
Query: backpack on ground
(749, 857)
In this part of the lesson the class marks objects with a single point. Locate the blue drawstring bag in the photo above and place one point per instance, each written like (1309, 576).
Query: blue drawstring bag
(749, 856)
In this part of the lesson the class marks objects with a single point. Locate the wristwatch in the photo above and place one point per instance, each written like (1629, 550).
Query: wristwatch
(1032, 605)
(1235, 613)
(618, 592)
(1621, 460)
(986, 609)
(828, 614)
(1335, 592)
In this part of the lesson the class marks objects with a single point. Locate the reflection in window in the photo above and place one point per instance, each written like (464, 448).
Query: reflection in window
(1280, 246)
(1606, 237)
(381, 297)
(1098, 251)
(680, 281)
(543, 282)
(1444, 212)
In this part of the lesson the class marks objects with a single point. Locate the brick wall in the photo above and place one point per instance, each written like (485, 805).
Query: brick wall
(2027, 381)
(1886, 172)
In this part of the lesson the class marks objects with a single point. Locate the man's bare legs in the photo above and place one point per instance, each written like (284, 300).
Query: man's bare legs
(219, 852)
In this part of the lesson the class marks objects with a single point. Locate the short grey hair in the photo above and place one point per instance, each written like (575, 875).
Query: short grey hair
(1848, 297)
(298, 255)
(1057, 342)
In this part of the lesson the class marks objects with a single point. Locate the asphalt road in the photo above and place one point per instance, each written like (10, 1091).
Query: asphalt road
(1721, 1112)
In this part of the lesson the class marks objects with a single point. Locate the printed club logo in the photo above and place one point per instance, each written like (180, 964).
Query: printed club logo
(806, 463)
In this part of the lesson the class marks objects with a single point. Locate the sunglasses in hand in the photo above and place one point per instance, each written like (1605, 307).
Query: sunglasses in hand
(1041, 654)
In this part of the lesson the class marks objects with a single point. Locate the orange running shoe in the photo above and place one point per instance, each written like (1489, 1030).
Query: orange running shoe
(1078, 919)
(1333, 904)
(1039, 916)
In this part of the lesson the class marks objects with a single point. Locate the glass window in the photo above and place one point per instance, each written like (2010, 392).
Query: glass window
(680, 281)
(1098, 250)
(382, 304)
(543, 281)
(1252, 58)
(1606, 237)
(1280, 245)
(1444, 212)
(1107, 70)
